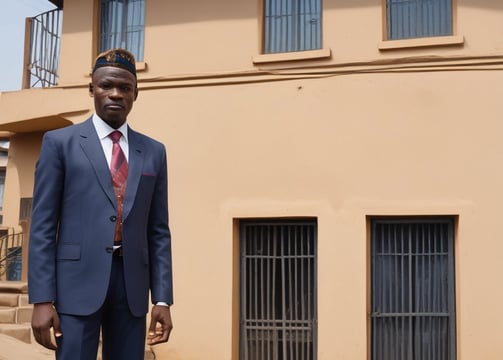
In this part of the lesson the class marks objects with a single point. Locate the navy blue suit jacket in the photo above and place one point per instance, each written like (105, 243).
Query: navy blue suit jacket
(73, 223)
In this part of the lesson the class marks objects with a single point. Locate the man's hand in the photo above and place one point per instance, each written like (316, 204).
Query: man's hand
(160, 325)
(44, 317)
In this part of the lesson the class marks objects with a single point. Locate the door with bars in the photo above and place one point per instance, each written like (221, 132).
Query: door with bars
(278, 290)
(413, 304)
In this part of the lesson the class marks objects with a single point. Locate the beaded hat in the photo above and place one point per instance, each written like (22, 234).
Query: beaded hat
(116, 57)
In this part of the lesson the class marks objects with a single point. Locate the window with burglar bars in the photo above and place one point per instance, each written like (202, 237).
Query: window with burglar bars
(413, 302)
(408, 19)
(291, 25)
(278, 290)
(122, 25)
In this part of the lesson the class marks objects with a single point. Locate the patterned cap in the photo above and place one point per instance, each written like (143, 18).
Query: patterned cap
(116, 57)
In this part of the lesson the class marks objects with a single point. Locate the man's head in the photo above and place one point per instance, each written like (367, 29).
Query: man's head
(114, 86)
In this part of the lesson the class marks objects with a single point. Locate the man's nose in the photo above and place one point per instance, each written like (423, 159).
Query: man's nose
(115, 92)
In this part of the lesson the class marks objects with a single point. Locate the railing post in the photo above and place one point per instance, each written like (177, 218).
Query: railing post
(3, 257)
(25, 236)
(27, 50)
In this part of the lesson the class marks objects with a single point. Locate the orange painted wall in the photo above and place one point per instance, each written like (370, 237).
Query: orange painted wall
(378, 133)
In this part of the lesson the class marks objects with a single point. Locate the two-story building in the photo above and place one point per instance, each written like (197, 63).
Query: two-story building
(335, 167)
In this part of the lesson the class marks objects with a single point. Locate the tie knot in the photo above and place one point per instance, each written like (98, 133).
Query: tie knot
(115, 136)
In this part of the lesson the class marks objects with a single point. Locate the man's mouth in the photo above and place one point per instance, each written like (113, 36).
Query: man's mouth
(114, 107)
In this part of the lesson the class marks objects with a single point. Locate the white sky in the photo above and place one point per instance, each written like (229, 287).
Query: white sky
(12, 22)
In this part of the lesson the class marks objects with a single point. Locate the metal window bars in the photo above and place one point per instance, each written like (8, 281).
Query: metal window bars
(408, 19)
(278, 290)
(45, 41)
(10, 256)
(292, 25)
(413, 305)
(122, 24)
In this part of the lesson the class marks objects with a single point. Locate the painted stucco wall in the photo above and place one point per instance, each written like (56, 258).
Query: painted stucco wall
(375, 139)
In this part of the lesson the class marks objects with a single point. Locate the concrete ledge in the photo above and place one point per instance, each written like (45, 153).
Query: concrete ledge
(7, 315)
(17, 331)
(13, 349)
(19, 287)
(9, 299)
(23, 300)
(24, 314)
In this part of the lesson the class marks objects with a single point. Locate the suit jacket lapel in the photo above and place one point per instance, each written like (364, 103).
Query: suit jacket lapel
(135, 166)
(91, 146)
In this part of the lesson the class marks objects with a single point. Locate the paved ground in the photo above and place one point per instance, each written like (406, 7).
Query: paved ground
(13, 349)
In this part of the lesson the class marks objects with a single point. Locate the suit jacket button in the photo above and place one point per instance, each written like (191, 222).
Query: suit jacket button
(109, 250)
(113, 218)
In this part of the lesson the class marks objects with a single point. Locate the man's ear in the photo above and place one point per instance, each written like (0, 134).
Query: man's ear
(91, 89)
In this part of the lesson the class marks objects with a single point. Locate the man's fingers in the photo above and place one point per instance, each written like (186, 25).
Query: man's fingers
(44, 318)
(158, 338)
(152, 327)
(160, 325)
(160, 335)
(44, 338)
(56, 327)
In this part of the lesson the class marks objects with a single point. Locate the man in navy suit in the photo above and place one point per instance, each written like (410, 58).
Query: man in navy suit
(95, 251)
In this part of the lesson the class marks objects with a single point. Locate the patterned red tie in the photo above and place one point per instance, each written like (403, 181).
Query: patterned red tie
(119, 170)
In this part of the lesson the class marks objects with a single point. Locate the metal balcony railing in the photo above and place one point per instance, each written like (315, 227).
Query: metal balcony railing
(10, 256)
(42, 62)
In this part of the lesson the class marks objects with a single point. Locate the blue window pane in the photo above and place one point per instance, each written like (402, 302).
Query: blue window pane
(408, 19)
(122, 25)
(292, 25)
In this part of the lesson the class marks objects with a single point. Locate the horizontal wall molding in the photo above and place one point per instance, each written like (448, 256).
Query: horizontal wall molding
(429, 63)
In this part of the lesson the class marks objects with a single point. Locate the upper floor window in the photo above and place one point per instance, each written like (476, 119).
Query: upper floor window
(122, 25)
(409, 19)
(291, 25)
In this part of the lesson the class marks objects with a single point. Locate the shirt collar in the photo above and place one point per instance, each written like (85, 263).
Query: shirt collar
(103, 129)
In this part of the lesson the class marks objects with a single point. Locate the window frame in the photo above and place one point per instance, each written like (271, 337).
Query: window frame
(140, 61)
(390, 44)
(263, 57)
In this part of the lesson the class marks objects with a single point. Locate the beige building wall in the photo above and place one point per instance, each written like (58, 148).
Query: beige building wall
(365, 132)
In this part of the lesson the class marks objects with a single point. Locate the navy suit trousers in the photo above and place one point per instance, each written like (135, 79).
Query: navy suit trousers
(123, 335)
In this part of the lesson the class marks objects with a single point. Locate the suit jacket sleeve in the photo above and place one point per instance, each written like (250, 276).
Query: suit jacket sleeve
(159, 238)
(49, 179)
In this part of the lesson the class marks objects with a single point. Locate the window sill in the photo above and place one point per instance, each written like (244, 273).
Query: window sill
(292, 56)
(421, 42)
(141, 66)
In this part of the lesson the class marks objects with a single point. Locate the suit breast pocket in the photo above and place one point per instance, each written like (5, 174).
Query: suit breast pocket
(68, 252)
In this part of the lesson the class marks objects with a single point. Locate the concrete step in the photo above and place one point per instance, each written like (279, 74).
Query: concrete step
(21, 332)
(24, 314)
(149, 354)
(19, 287)
(23, 299)
(9, 299)
(8, 315)
(13, 349)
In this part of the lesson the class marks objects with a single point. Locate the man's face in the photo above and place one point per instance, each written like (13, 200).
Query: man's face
(114, 90)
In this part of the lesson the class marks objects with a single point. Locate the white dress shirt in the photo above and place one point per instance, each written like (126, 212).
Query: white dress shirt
(103, 130)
